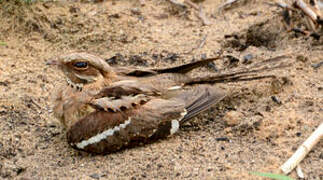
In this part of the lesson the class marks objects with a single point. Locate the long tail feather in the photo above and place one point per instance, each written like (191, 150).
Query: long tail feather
(186, 67)
(244, 74)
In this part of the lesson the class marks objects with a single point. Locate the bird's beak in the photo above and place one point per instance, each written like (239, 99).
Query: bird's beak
(52, 62)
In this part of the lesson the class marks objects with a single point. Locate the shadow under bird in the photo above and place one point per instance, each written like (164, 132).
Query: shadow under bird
(105, 109)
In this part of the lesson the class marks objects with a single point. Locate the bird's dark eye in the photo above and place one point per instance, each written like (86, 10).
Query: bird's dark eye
(80, 65)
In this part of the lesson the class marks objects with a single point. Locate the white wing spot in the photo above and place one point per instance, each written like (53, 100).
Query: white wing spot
(175, 126)
(175, 123)
(174, 88)
(97, 138)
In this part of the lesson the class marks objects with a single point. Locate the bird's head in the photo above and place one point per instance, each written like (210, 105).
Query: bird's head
(82, 69)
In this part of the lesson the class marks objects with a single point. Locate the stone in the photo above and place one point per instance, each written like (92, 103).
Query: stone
(233, 118)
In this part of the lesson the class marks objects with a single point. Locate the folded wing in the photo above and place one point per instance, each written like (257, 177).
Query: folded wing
(104, 131)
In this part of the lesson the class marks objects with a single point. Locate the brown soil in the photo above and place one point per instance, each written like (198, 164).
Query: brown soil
(264, 134)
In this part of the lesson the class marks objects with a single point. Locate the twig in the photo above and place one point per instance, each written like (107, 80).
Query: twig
(200, 14)
(299, 172)
(201, 44)
(308, 11)
(281, 5)
(302, 151)
(226, 4)
(179, 4)
(298, 30)
(36, 104)
(320, 4)
(203, 17)
(316, 7)
(190, 3)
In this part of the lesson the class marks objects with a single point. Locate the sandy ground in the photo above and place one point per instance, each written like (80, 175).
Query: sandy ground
(263, 136)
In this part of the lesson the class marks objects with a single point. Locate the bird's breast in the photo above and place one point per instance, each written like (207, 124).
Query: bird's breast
(71, 105)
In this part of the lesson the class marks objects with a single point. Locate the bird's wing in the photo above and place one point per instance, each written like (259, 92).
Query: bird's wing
(105, 131)
(122, 103)
(199, 99)
(127, 96)
(126, 88)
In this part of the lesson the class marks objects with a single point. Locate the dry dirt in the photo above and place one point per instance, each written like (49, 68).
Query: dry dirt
(274, 116)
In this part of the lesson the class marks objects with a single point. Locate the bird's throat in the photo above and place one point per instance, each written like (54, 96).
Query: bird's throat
(77, 86)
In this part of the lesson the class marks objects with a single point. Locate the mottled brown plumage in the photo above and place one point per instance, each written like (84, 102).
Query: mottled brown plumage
(108, 108)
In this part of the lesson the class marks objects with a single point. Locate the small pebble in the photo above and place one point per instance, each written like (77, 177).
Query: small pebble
(116, 59)
(317, 65)
(321, 155)
(233, 61)
(222, 139)
(276, 86)
(233, 118)
(135, 11)
(247, 59)
(276, 100)
(315, 36)
(95, 176)
(212, 66)
(301, 58)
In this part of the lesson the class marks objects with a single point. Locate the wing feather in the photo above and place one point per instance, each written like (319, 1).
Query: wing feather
(199, 99)
(104, 132)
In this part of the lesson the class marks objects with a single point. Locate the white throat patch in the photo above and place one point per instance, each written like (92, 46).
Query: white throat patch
(97, 138)
(74, 85)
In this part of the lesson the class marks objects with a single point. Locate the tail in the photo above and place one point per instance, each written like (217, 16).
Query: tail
(187, 67)
(244, 74)
(177, 69)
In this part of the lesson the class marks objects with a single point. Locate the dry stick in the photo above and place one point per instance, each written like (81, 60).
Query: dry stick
(320, 4)
(310, 24)
(308, 11)
(201, 44)
(190, 3)
(203, 17)
(301, 152)
(201, 13)
(281, 5)
(36, 104)
(299, 172)
(316, 7)
(180, 4)
(226, 4)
